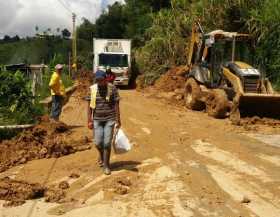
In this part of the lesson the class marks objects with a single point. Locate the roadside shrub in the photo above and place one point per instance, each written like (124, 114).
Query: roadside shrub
(167, 39)
(167, 44)
(264, 24)
(17, 105)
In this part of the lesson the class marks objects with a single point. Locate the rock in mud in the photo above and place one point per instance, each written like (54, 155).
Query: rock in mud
(246, 200)
(120, 189)
(179, 97)
(74, 176)
(64, 185)
(122, 185)
(54, 195)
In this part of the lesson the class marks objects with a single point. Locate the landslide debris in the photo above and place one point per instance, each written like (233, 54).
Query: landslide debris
(64, 185)
(256, 120)
(119, 185)
(170, 86)
(74, 176)
(54, 195)
(45, 140)
(171, 80)
(16, 192)
(85, 80)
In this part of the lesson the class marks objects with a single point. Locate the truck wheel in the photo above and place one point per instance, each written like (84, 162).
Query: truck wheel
(192, 94)
(217, 104)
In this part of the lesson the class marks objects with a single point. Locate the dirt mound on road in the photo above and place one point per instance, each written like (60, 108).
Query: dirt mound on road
(46, 140)
(17, 192)
(85, 80)
(171, 80)
(122, 185)
(260, 121)
(54, 195)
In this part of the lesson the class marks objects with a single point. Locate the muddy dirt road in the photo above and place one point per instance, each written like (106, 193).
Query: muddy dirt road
(183, 164)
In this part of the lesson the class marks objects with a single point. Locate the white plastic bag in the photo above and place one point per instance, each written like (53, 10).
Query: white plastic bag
(121, 142)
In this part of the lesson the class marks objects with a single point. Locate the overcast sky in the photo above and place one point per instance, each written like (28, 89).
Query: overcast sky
(19, 17)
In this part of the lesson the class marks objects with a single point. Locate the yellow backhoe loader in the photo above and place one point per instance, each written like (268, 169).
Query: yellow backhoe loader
(221, 80)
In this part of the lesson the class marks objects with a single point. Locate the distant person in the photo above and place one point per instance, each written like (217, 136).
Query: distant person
(110, 76)
(57, 92)
(103, 116)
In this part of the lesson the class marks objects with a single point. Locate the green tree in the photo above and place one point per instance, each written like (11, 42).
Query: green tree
(36, 29)
(18, 108)
(7, 38)
(86, 30)
(66, 33)
(111, 24)
(58, 30)
(264, 24)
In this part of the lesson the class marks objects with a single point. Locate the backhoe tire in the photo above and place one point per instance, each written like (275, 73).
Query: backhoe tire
(192, 95)
(217, 104)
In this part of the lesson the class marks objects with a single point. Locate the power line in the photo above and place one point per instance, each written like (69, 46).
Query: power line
(65, 6)
(66, 2)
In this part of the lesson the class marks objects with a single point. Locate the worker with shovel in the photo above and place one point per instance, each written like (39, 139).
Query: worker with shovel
(103, 117)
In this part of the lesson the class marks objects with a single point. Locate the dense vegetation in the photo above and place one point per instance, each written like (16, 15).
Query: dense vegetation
(160, 30)
(34, 50)
(17, 105)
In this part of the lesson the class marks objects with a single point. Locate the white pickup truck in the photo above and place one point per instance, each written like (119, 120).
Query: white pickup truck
(115, 53)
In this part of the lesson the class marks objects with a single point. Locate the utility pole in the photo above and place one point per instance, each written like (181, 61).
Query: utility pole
(69, 64)
(74, 44)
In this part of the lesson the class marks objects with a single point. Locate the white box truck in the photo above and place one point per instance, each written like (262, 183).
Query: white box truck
(115, 53)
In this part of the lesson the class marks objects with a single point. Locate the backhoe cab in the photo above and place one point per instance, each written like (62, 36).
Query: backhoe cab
(221, 80)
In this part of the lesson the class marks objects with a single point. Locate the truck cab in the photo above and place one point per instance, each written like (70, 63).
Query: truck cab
(115, 53)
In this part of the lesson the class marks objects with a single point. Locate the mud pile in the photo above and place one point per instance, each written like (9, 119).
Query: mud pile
(85, 80)
(172, 80)
(121, 185)
(15, 192)
(260, 121)
(46, 140)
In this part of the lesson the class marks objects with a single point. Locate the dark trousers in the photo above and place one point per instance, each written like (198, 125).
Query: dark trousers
(57, 102)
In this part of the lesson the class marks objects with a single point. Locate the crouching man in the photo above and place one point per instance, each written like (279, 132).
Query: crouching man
(103, 116)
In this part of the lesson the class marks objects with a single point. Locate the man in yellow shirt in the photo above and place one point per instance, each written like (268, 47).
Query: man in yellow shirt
(57, 92)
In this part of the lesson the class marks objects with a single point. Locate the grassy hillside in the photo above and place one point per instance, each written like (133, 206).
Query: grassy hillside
(34, 50)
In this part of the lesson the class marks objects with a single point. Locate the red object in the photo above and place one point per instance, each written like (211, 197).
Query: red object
(110, 77)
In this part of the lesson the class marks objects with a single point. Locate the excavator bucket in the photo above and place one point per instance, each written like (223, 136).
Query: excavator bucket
(262, 105)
